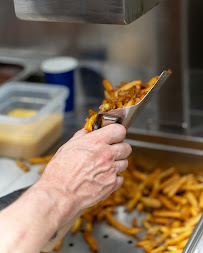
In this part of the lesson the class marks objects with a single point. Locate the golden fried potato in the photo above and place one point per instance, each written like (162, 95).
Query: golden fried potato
(125, 95)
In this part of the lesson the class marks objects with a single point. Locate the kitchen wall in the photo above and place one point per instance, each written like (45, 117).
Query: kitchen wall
(169, 36)
(131, 44)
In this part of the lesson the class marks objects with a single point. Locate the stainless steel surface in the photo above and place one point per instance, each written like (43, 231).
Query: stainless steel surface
(195, 243)
(125, 116)
(91, 11)
(109, 239)
(151, 149)
(84, 41)
(29, 66)
(155, 149)
(174, 101)
(12, 178)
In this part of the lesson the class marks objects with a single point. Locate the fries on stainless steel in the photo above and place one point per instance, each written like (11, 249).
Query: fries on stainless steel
(38, 160)
(76, 226)
(127, 230)
(171, 212)
(22, 165)
(42, 168)
(58, 246)
(91, 241)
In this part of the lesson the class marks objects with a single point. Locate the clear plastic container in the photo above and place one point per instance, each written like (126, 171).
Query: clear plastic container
(25, 137)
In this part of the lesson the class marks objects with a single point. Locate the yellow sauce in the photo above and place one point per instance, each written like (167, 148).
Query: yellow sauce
(31, 139)
(22, 113)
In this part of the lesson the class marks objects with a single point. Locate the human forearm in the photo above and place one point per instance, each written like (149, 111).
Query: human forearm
(83, 172)
(28, 224)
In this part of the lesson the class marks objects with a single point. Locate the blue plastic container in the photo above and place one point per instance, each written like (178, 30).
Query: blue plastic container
(61, 71)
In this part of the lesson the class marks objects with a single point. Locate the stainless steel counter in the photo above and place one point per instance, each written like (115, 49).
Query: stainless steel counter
(185, 154)
(144, 137)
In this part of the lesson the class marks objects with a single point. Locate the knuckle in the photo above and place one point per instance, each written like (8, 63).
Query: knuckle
(114, 181)
(118, 153)
(120, 181)
(107, 156)
(125, 165)
(120, 128)
(95, 140)
(129, 148)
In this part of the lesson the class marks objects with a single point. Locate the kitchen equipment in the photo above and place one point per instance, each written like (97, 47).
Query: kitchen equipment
(14, 68)
(91, 11)
(25, 137)
(8, 71)
(126, 115)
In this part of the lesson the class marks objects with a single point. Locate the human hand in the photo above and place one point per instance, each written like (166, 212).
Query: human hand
(85, 168)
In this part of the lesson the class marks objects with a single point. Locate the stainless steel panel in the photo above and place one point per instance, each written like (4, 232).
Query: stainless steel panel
(109, 239)
(28, 67)
(155, 148)
(173, 51)
(92, 11)
(195, 243)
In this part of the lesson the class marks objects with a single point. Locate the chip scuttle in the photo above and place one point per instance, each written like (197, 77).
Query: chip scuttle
(124, 103)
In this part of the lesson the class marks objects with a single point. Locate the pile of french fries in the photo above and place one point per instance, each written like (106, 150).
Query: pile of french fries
(125, 95)
(35, 160)
(172, 203)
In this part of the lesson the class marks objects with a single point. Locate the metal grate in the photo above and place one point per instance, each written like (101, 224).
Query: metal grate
(109, 239)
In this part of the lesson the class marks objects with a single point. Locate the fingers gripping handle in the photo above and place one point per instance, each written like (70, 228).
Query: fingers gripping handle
(101, 121)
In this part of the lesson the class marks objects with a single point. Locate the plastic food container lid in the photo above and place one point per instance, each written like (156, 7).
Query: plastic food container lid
(46, 98)
(59, 64)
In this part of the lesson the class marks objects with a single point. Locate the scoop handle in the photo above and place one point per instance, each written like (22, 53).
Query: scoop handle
(103, 120)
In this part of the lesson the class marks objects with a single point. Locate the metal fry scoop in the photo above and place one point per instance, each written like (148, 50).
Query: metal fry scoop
(125, 116)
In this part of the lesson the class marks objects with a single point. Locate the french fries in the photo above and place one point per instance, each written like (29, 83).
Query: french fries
(125, 95)
(22, 166)
(58, 246)
(150, 202)
(38, 160)
(90, 241)
(90, 122)
(127, 230)
(173, 204)
(35, 160)
(76, 226)
(42, 168)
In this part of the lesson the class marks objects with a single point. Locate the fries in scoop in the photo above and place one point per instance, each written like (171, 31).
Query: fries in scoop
(125, 95)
